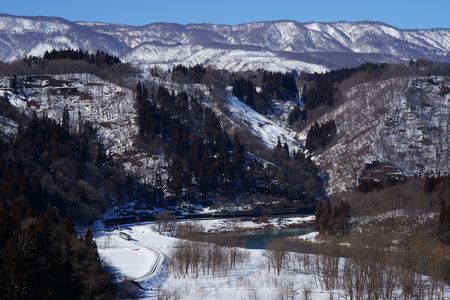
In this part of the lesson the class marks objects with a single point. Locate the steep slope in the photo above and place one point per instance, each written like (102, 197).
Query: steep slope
(108, 107)
(171, 142)
(266, 130)
(402, 121)
(276, 45)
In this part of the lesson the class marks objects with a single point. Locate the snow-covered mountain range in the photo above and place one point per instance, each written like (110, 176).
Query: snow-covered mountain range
(275, 45)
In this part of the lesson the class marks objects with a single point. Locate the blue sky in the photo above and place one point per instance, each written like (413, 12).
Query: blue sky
(400, 13)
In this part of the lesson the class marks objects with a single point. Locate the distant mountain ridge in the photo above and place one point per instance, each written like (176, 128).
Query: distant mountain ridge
(274, 45)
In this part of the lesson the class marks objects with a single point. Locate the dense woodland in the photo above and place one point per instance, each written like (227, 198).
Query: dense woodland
(333, 220)
(42, 257)
(443, 231)
(320, 135)
(183, 74)
(100, 58)
(205, 159)
(274, 85)
(414, 195)
(47, 172)
(322, 87)
(47, 166)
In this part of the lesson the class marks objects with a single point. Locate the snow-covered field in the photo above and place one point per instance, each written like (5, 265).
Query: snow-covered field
(224, 225)
(131, 260)
(249, 280)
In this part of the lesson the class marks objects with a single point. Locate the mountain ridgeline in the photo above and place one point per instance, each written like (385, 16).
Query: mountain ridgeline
(275, 46)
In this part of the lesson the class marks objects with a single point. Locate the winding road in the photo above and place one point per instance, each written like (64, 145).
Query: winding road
(153, 268)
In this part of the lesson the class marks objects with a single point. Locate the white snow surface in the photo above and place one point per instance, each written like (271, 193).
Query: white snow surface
(249, 281)
(129, 259)
(226, 225)
(310, 237)
(262, 127)
(167, 57)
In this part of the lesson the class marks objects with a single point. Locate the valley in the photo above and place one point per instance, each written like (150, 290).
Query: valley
(265, 267)
(264, 160)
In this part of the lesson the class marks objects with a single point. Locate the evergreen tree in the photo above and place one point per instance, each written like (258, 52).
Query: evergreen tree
(295, 115)
(444, 224)
(320, 135)
(65, 119)
(14, 84)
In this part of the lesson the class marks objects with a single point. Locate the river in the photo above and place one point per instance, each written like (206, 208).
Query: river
(261, 239)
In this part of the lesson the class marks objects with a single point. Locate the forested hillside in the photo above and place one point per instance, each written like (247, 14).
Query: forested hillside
(42, 257)
(206, 161)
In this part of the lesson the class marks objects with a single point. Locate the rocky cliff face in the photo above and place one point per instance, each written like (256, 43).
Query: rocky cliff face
(403, 121)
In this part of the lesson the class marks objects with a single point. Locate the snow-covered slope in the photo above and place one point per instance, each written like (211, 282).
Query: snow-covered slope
(266, 130)
(403, 121)
(276, 45)
(108, 107)
(23, 36)
(237, 59)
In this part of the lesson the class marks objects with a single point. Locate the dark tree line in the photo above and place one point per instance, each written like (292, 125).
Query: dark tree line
(322, 87)
(320, 135)
(434, 183)
(205, 159)
(100, 58)
(295, 115)
(245, 91)
(41, 257)
(441, 186)
(333, 220)
(277, 85)
(274, 85)
(45, 172)
(295, 174)
(101, 64)
(183, 74)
